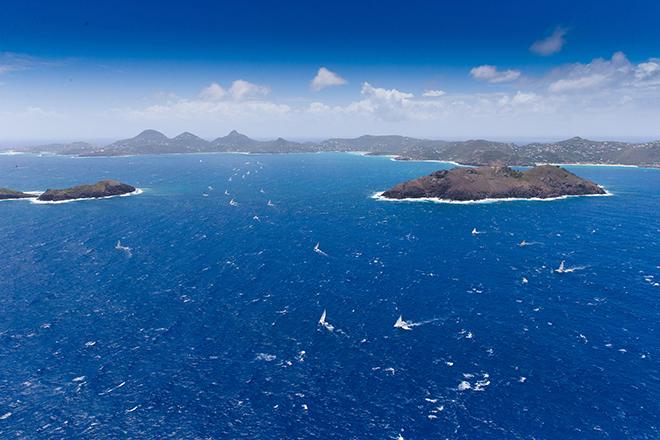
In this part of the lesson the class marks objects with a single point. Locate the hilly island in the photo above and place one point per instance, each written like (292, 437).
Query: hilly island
(494, 182)
(469, 152)
(101, 189)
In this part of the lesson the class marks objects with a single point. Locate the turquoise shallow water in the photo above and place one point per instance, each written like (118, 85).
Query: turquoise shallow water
(209, 329)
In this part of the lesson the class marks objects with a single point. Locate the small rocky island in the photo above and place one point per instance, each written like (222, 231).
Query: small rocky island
(10, 194)
(104, 188)
(494, 182)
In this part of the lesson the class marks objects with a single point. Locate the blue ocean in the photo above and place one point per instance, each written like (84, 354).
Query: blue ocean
(208, 326)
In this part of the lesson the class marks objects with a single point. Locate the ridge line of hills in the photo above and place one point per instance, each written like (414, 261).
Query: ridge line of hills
(468, 152)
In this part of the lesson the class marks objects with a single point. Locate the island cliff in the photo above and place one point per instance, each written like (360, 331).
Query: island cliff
(104, 188)
(494, 182)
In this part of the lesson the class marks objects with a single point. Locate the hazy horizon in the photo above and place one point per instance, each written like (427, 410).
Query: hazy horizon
(514, 140)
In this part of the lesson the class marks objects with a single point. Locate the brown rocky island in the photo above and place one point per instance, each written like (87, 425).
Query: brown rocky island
(104, 188)
(494, 182)
(10, 194)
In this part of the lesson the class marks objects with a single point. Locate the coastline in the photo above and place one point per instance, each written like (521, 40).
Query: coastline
(379, 197)
(393, 157)
(586, 164)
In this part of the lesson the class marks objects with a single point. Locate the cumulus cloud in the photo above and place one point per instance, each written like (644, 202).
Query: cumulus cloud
(241, 89)
(592, 94)
(242, 100)
(433, 93)
(383, 103)
(214, 92)
(326, 78)
(551, 44)
(386, 95)
(648, 73)
(579, 83)
(598, 74)
(238, 91)
(493, 75)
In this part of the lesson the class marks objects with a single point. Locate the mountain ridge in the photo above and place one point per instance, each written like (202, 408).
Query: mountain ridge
(468, 152)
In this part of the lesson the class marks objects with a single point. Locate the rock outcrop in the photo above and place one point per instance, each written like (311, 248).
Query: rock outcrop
(495, 182)
(104, 188)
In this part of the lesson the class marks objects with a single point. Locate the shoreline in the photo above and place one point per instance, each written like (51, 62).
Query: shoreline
(392, 157)
(587, 164)
(378, 196)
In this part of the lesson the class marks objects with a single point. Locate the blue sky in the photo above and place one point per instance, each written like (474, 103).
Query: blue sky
(507, 70)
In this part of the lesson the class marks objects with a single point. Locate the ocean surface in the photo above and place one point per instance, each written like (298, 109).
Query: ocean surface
(208, 326)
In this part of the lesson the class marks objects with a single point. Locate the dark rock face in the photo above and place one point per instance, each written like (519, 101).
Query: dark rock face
(496, 182)
(7, 194)
(104, 188)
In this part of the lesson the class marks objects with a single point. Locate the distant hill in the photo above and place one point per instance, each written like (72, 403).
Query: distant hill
(73, 148)
(469, 152)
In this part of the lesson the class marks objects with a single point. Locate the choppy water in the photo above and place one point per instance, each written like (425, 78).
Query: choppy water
(209, 329)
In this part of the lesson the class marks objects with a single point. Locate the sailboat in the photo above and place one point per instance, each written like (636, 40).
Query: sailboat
(522, 243)
(403, 325)
(233, 202)
(475, 232)
(324, 323)
(122, 248)
(270, 203)
(318, 250)
(561, 268)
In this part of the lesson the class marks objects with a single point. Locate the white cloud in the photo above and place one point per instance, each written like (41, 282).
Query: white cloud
(242, 100)
(433, 93)
(386, 95)
(241, 89)
(14, 62)
(551, 44)
(598, 75)
(493, 75)
(580, 83)
(214, 92)
(326, 78)
(238, 91)
(318, 107)
(601, 96)
(645, 70)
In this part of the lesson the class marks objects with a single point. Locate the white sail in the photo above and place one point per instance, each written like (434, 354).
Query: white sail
(474, 231)
(324, 323)
(403, 325)
(123, 248)
(317, 249)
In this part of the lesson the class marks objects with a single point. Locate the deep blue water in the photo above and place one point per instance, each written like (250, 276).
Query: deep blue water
(210, 329)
